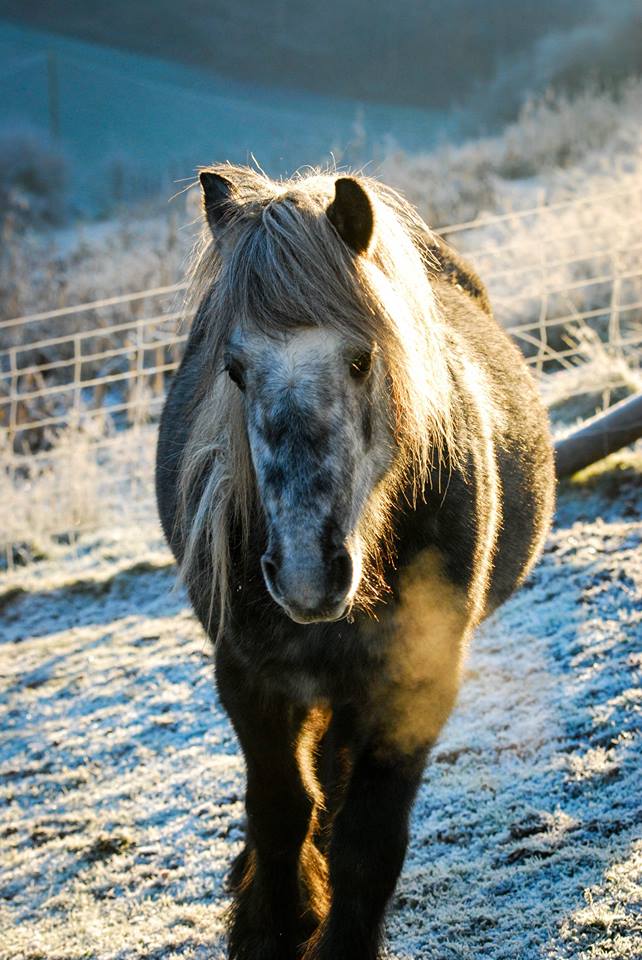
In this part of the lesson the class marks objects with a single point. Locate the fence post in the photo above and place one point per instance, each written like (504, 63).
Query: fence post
(544, 301)
(140, 368)
(615, 334)
(77, 379)
(11, 434)
(159, 376)
(53, 88)
(13, 396)
(600, 436)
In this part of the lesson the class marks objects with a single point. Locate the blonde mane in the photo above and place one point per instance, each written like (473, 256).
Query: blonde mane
(279, 264)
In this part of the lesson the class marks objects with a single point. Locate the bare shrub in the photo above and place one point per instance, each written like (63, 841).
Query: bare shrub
(34, 176)
(557, 145)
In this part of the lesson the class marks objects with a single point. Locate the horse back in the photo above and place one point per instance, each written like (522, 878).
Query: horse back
(496, 497)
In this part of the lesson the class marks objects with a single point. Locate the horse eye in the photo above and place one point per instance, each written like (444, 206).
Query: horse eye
(361, 365)
(235, 373)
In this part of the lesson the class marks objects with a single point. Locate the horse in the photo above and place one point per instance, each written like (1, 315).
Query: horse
(354, 469)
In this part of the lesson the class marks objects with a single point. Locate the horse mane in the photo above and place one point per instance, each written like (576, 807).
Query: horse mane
(279, 264)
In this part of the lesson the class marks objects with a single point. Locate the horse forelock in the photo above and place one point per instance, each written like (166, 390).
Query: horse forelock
(280, 265)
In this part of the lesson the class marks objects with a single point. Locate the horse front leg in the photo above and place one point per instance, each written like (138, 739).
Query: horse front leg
(369, 834)
(272, 914)
(366, 853)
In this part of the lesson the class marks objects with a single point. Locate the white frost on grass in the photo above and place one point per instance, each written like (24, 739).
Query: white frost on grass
(122, 785)
(558, 147)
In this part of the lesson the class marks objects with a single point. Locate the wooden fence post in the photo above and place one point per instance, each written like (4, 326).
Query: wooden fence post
(596, 438)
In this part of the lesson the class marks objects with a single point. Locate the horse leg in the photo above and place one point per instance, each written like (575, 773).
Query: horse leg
(270, 916)
(333, 767)
(366, 853)
(410, 702)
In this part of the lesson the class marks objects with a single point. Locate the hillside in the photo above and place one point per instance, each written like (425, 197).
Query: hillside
(379, 52)
(559, 148)
(121, 783)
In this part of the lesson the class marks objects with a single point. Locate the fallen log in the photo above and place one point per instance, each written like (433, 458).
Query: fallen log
(596, 438)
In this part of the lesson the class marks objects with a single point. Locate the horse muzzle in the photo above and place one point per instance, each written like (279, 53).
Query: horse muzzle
(308, 591)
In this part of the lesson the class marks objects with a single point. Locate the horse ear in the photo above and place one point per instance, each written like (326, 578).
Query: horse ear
(351, 214)
(217, 199)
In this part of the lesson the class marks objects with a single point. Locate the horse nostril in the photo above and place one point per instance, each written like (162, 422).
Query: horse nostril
(340, 572)
(270, 574)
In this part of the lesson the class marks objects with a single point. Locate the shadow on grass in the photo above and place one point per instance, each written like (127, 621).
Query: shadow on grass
(144, 587)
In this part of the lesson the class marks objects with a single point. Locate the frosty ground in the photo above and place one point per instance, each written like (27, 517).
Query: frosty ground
(122, 787)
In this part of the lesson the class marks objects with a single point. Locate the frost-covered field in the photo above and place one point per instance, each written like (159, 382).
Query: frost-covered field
(121, 783)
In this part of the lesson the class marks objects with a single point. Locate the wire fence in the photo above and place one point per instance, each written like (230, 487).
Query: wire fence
(82, 386)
